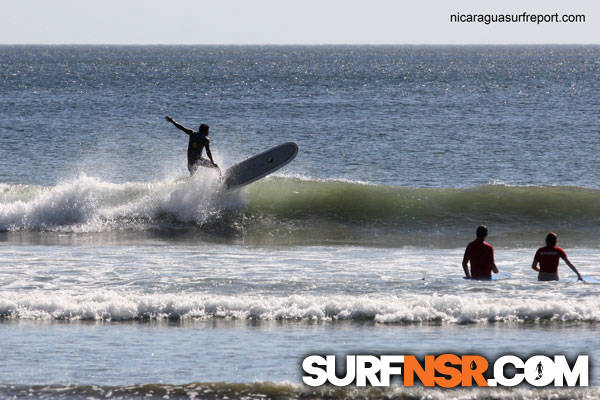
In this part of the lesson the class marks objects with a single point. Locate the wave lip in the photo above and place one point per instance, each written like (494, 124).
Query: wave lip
(410, 309)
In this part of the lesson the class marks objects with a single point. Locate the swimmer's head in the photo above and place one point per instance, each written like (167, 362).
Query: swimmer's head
(481, 232)
(551, 239)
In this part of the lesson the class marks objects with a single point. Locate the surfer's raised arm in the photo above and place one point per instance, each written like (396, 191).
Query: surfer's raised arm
(179, 126)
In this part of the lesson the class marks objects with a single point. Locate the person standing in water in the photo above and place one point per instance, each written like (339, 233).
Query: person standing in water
(481, 256)
(198, 141)
(548, 258)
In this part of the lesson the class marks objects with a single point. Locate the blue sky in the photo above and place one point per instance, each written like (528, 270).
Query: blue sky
(285, 22)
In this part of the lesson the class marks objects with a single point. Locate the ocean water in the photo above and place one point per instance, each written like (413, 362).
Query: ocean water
(121, 277)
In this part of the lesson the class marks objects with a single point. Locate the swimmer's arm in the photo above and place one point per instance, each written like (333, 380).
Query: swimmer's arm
(573, 268)
(494, 268)
(178, 125)
(465, 265)
(534, 265)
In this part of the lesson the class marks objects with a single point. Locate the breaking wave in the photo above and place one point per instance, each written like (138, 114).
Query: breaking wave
(89, 204)
(296, 210)
(408, 309)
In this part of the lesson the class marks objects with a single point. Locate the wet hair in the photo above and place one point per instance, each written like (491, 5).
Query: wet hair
(551, 239)
(481, 232)
(203, 129)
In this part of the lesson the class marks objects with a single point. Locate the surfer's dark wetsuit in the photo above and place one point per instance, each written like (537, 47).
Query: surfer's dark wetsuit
(198, 141)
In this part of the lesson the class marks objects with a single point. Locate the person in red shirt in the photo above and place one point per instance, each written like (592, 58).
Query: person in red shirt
(481, 256)
(548, 258)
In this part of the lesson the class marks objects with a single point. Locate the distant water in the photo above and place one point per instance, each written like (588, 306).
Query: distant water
(120, 278)
(407, 116)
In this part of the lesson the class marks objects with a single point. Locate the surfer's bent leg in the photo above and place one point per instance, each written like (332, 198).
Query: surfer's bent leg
(201, 162)
(192, 167)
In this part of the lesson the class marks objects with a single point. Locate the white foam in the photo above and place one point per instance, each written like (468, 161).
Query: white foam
(87, 204)
(308, 178)
(450, 309)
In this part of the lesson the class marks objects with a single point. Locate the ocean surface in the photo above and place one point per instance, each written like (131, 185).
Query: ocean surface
(122, 277)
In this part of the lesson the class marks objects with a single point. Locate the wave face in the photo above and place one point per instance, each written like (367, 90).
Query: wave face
(103, 305)
(269, 390)
(298, 210)
(419, 207)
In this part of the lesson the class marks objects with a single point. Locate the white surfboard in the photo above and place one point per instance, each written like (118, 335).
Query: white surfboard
(259, 166)
(586, 279)
(495, 277)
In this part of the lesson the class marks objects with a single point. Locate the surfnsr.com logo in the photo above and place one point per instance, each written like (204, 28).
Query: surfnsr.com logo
(446, 370)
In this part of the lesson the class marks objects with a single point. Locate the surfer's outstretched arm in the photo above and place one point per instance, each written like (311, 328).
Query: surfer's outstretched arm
(178, 125)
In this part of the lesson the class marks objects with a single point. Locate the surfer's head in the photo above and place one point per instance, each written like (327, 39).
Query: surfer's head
(481, 232)
(203, 129)
(551, 239)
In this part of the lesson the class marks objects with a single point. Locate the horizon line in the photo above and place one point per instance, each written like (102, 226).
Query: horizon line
(299, 44)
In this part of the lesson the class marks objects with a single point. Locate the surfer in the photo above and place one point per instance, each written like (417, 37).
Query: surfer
(198, 141)
(548, 259)
(540, 371)
(481, 256)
